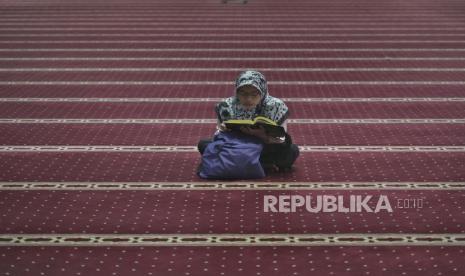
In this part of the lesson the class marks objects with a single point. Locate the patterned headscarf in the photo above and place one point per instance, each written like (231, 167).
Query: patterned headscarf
(270, 107)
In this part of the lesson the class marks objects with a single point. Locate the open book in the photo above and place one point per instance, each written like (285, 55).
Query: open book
(271, 128)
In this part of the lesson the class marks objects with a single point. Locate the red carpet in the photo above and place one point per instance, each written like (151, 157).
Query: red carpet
(102, 104)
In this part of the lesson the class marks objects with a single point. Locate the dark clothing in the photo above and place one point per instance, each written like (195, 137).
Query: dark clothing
(202, 145)
(281, 155)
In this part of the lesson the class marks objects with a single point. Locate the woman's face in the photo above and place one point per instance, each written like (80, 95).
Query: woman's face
(249, 96)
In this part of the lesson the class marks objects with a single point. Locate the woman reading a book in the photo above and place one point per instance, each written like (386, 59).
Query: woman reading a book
(251, 100)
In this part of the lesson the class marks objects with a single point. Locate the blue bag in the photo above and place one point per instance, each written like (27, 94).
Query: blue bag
(232, 155)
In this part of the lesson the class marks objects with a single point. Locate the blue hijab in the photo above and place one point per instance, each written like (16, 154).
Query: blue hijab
(270, 107)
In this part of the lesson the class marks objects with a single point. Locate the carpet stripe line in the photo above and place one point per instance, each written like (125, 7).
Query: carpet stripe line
(299, 83)
(217, 17)
(156, 148)
(170, 14)
(262, 29)
(214, 121)
(405, 239)
(188, 100)
(231, 34)
(261, 50)
(233, 58)
(247, 20)
(320, 21)
(207, 10)
(224, 69)
(203, 24)
(226, 22)
(218, 186)
(299, 13)
(229, 41)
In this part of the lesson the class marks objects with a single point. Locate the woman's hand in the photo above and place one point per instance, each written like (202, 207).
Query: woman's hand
(261, 133)
(275, 140)
(257, 132)
(222, 127)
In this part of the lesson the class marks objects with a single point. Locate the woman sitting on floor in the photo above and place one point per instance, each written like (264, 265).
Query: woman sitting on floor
(251, 99)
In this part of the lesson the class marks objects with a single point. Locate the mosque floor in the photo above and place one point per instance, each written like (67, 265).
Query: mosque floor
(102, 105)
